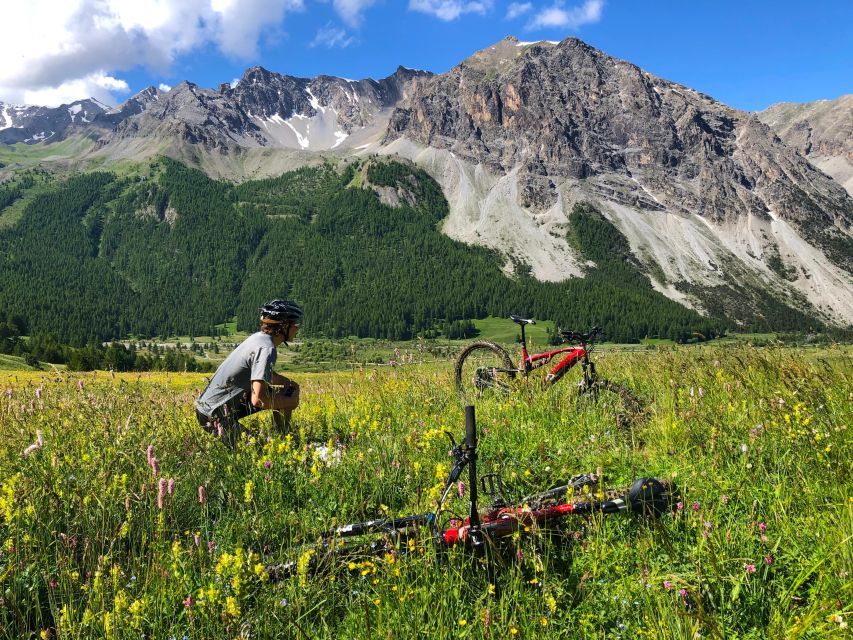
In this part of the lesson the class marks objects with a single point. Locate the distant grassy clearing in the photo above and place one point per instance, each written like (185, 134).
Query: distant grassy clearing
(30, 154)
(13, 363)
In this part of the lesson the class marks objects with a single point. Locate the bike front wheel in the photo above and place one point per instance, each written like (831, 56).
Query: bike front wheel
(482, 368)
(613, 402)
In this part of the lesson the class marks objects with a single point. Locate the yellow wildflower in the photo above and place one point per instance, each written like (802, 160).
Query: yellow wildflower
(231, 607)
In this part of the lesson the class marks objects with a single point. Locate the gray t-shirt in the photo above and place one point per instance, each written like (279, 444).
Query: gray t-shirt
(252, 360)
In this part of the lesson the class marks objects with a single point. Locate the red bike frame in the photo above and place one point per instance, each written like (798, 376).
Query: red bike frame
(530, 362)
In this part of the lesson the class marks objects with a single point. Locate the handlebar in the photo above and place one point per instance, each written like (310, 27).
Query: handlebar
(583, 338)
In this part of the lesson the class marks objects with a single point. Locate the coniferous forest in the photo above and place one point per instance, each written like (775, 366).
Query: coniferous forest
(97, 257)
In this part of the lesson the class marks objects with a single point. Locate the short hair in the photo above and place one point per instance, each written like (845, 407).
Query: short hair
(271, 329)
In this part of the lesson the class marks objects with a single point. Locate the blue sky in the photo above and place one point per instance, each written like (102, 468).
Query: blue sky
(748, 54)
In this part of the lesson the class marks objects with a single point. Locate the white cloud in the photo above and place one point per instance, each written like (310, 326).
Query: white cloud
(448, 10)
(331, 37)
(165, 88)
(96, 85)
(235, 82)
(556, 16)
(83, 44)
(351, 10)
(517, 9)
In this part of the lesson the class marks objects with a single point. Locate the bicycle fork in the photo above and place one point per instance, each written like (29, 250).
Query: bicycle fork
(475, 533)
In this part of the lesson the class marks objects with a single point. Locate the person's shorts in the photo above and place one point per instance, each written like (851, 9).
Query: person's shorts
(229, 413)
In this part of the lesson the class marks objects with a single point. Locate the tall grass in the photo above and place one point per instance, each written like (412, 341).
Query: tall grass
(123, 518)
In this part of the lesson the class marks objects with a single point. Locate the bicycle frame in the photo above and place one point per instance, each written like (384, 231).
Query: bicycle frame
(573, 356)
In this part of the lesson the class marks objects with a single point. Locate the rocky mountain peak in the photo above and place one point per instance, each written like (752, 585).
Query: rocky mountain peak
(822, 131)
(548, 124)
(257, 74)
(32, 124)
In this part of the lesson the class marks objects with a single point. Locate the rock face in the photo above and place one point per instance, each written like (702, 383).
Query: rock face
(570, 111)
(31, 124)
(131, 107)
(267, 109)
(264, 109)
(355, 103)
(822, 131)
(194, 115)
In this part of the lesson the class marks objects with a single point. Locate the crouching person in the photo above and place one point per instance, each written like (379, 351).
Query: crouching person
(245, 382)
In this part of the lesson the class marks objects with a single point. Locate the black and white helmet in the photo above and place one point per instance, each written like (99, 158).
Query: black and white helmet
(279, 311)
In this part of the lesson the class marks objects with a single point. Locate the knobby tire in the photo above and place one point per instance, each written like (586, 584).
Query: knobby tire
(488, 367)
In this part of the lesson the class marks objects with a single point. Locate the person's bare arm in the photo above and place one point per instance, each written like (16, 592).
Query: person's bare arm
(279, 380)
(284, 397)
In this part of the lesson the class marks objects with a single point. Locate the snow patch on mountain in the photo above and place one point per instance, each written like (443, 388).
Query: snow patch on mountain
(304, 142)
(7, 121)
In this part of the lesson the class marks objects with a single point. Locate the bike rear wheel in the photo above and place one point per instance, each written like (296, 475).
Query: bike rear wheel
(645, 495)
(483, 368)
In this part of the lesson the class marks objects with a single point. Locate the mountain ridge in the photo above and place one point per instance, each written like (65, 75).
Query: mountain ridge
(709, 197)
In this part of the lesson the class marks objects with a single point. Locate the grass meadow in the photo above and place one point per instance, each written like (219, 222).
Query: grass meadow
(121, 518)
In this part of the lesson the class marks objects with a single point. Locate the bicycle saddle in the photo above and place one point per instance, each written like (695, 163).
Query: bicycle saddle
(521, 320)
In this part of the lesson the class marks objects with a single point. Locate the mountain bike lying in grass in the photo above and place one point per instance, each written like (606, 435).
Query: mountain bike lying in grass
(485, 367)
(351, 546)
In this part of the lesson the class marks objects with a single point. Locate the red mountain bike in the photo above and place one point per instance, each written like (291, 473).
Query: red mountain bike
(354, 547)
(484, 366)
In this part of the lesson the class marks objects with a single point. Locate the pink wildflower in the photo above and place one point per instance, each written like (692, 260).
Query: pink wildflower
(768, 559)
(519, 555)
(683, 593)
(161, 492)
(749, 568)
(80, 385)
(695, 505)
(149, 453)
(762, 526)
(196, 539)
(155, 466)
(38, 393)
(764, 538)
(267, 464)
(461, 488)
(170, 487)
(202, 496)
(679, 505)
(667, 585)
(725, 499)
(188, 603)
(211, 546)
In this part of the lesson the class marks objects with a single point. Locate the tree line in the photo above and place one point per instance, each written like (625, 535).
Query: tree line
(98, 257)
(115, 356)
